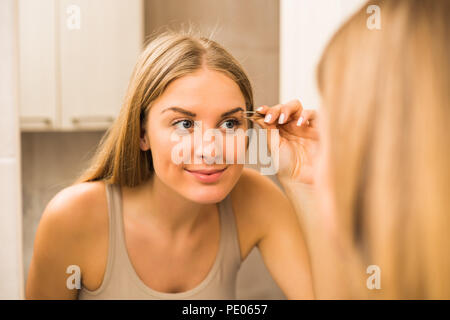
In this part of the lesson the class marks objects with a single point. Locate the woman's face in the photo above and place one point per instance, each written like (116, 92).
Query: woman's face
(213, 101)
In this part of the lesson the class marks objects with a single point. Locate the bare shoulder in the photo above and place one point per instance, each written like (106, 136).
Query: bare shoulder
(77, 208)
(74, 218)
(258, 203)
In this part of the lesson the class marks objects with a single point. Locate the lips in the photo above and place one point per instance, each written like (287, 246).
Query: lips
(206, 171)
(207, 175)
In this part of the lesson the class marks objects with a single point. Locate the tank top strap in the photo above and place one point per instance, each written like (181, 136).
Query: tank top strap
(113, 206)
(232, 248)
(112, 242)
(117, 227)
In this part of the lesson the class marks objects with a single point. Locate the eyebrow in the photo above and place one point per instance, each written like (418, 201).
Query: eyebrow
(191, 114)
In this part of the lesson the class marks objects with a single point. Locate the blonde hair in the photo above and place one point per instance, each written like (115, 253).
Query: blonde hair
(167, 57)
(386, 95)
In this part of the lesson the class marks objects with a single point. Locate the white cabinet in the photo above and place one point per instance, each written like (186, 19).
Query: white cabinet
(76, 57)
(97, 59)
(37, 64)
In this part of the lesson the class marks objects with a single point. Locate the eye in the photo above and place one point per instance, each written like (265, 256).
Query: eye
(231, 124)
(183, 125)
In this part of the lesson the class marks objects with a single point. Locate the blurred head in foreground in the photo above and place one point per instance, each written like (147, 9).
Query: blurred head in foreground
(386, 137)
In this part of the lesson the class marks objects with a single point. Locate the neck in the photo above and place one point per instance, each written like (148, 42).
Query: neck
(167, 209)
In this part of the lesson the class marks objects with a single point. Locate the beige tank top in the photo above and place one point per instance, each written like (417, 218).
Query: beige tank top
(122, 282)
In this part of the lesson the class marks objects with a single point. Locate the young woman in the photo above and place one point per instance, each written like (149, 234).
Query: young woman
(140, 226)
(382, 174)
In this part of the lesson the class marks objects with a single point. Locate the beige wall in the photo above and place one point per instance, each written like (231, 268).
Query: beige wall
(249, 29)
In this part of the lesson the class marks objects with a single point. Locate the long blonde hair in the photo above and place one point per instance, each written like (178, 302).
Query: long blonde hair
(386, 95)
(167, 57)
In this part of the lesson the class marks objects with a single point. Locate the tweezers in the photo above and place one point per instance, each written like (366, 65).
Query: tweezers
(253, 115)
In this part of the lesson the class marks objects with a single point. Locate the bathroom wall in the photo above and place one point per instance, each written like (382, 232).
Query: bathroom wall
(50, 162)
(249, 29)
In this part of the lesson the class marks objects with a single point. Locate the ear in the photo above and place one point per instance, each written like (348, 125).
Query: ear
(143, 141)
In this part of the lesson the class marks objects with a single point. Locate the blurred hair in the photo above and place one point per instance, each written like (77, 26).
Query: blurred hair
(385, 95)
(169, 56)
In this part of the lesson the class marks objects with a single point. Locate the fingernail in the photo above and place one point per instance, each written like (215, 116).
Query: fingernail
(267, 118)
(281, 119)
(259, 109)
(300, 121)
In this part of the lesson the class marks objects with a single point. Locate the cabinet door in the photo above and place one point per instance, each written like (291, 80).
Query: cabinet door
(99, 45)
(37, 65)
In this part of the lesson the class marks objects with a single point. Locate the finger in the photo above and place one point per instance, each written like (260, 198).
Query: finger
(262, 109)
(290, 110)
(307, 124)
(308, 127)
(268, 127)
(272, 114)
(307, 118)
(263, 124)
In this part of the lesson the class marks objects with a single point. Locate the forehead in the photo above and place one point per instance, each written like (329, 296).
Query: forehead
(201, 89)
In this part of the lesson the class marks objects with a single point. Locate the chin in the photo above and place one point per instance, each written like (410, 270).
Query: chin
(206, 194)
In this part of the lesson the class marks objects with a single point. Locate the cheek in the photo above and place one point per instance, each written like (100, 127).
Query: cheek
(161, 146)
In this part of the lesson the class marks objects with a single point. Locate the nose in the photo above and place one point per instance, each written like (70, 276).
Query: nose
(208, 145)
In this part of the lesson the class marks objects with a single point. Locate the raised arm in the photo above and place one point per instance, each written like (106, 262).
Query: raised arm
(284, 250)
(298, 151)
